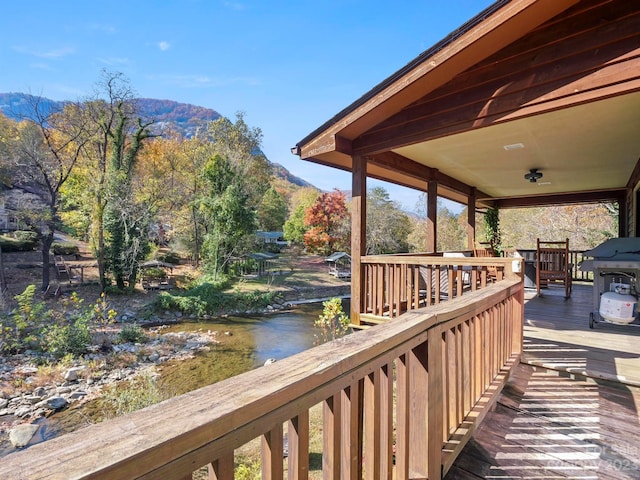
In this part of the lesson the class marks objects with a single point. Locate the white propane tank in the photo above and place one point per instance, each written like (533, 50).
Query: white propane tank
(618, 307)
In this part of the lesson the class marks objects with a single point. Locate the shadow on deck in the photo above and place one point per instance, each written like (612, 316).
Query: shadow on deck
(570, 409)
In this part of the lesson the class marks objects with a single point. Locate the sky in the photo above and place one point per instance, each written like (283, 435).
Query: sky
(289, 66)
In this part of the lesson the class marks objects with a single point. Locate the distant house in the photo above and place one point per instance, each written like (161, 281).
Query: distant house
(11, 201)
(8, 219)
(339, 264)
(276, 238)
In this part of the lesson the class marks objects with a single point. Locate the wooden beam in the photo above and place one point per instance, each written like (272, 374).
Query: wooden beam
(358, 234)
(599, 61)
(401, 164)
(615, 195)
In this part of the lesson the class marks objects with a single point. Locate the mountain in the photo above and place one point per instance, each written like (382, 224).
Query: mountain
(183, 117)
(280, 172)
(169, 115)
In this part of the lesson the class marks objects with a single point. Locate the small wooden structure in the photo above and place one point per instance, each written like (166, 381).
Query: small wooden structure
(257, 264)
(339, 264)
(155, 282)
(552, 264)
(64, 271)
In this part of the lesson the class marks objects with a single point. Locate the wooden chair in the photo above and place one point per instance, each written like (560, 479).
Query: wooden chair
(553, 264)
(484, 251)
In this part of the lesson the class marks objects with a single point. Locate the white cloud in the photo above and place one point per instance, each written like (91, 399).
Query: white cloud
(164, 45)
(235, 5)
(115, 60)
(105, 28)
(41, 66)
(191, 81)
(53, 54)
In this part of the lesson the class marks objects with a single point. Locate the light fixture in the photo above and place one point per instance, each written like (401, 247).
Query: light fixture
(533, 176)
(514, 146)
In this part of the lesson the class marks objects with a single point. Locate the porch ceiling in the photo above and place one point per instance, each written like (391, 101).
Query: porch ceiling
(584, 148)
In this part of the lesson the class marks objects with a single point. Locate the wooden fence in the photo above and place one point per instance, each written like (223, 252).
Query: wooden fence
(398, 399)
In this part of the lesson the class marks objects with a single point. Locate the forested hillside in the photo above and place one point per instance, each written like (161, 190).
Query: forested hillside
(169, 118)
(131, 175)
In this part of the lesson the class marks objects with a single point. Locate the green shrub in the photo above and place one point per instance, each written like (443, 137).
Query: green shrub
(185, 304)
(130, 396)
(249, 470)
(170, 257)
(333, 322)
(208, 297)
(132, 333)
(154, 273)
(64, 248)
(73, 338)
(19, 242)
(27, 236)
(21, 328)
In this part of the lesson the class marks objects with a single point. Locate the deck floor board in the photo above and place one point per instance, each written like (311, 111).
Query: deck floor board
(570, 410)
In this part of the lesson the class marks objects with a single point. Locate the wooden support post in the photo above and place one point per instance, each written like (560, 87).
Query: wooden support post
(432, 216)
(358, 234)
(623, 229)
(471, 220)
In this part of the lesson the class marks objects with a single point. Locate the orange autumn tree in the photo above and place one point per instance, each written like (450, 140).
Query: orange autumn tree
(328, 222)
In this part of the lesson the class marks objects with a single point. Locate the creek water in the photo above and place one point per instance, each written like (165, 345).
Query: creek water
(246, 342)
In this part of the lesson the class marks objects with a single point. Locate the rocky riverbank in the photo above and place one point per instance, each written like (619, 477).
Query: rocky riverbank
(33, 386)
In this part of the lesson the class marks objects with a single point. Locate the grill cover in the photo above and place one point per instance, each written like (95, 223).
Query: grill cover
(625, 248)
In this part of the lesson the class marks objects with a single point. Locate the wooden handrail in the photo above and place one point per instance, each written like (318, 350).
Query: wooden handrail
(395, 284)
(439, 370)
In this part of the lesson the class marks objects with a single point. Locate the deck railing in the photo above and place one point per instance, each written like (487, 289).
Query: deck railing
(575, 259)
(395, 284)
(411, 390)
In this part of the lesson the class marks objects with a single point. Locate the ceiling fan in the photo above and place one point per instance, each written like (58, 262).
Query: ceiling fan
(533, 176)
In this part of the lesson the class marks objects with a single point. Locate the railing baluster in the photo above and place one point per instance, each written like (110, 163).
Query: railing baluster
(378, 424)
(272, 464)
(298, 458)
(435, 396)
(403, 418)
(331, 435)
(222, 468)
(352, 432)
(419, 426)
(451, 380)
(466, 365)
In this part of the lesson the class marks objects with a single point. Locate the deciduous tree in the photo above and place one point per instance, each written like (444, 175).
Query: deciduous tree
(48, 148)
(328, 222)
(272, 211)
(228, 214)
(388, 227)
(295, 228)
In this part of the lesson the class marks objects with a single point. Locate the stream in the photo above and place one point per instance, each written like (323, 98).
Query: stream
(246, 342)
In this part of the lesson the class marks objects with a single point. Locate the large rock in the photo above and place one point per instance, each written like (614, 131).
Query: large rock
(73, 373)
(53, 403)
(21, 435)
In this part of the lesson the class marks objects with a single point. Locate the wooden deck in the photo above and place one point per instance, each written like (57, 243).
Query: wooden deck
(570, 411)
